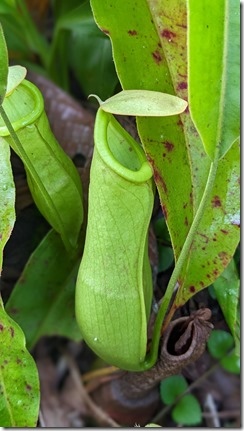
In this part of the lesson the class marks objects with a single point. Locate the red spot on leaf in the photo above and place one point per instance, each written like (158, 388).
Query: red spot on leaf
(165, 213)
(224, 257)
(215, 272)
(105, 31)
(168, 145)
(157, 56)
(28, 387)
(168, 34)
(236, 223)
(18, 361)
(182, 85)
(157, 177)
(186, 221)
(182, 25)
(132, 32)
(205, 237)
(1, 327)
(192, 289)
(225, 232)
(179, 123)
(201, 283)
(216, 202)
(11, 331)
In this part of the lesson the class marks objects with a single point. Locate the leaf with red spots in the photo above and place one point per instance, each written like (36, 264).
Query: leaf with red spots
(42, 301)
(218, 233)
(141, 64)
(157, 60)
(19, 382)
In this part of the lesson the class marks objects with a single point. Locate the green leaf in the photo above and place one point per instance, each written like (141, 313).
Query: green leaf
(218, 233)
(231, 363)
(227, 291)
(143, 103)
(161, 230)
(165, 258)
(214, 72)
(42, 301)
(171, 388)
(96, 73)
(152, 425)
(7, 197)
(77, 36)
(3, 65)
(219, 343)
(52, 177)
(16, 74)
(21, 34)
(141, 64)
(187, 411)
(19, 383)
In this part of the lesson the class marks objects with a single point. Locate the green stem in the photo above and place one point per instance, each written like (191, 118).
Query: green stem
(153, 354)
(30, 168)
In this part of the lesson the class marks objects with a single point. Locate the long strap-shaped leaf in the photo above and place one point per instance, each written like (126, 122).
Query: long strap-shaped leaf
(141, 63)
(3, 66)
(19, 383)
(214, 72)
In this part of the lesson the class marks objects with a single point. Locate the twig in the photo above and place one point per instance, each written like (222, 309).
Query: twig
(98, 413)
(224, 414)
(99, 373)
(212, 420)
(41, 420)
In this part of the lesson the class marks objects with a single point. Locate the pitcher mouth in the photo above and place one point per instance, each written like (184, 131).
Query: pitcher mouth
(23, 106)
(119, 150)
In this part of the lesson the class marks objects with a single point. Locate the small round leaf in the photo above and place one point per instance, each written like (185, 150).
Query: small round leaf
(219, 343)
(171, 388)
(231, 363)
(187, 411)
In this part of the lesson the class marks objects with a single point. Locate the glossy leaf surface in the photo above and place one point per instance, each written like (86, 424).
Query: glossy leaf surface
(166, 23)
(19, 383)
(227, 290)
(16, 74)
(42, 301)
(141, 64)
(3, 65)
(218, 233)
(7, 197)
(52, 177)
(214, 72)
(144, 103)
(114, 285)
